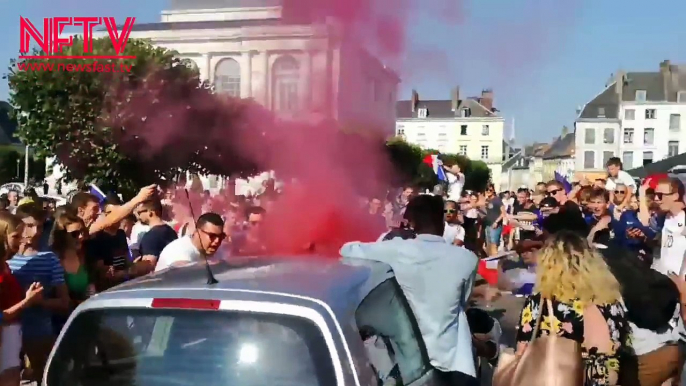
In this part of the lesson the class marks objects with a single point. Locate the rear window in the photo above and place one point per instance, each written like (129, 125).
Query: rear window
(151, 347)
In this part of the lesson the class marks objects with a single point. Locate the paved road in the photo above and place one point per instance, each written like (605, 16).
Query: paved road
(506, 310)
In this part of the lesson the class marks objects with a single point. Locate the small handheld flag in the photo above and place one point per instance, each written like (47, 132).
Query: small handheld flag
(94, 190)
(437, 165)
(563, 180)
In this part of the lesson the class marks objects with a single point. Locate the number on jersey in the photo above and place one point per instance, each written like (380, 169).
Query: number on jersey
(668, 242)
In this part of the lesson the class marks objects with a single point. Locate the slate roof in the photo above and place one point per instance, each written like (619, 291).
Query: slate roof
(177, 5)
(561, 148)
(607, 100)
(442, 109)
(660, 86)
(536, 149)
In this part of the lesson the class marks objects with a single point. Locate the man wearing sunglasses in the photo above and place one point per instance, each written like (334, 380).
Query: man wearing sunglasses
(615, 177)
(454, 232)
(202, 244)
(157, 237)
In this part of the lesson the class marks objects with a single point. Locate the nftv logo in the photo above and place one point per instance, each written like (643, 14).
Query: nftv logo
(52, 43)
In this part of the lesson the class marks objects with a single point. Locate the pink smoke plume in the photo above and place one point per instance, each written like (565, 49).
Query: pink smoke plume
(331, 170)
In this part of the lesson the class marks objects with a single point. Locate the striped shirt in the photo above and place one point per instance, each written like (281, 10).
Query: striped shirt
(44, 268)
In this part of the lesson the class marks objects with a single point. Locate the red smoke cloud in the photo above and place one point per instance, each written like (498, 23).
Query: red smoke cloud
(332, 170)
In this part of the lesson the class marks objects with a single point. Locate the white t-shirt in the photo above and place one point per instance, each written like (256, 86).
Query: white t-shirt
(179, 250)
(137, 232)
(623, 178)
(453, 232)
(673, 245)
(455, 185)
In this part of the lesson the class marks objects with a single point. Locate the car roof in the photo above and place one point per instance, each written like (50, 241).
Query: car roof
(340, 284)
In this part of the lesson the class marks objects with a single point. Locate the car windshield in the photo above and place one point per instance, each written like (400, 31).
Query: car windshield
(169, 347)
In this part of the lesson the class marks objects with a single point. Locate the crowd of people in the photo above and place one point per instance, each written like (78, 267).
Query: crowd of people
(601, 264)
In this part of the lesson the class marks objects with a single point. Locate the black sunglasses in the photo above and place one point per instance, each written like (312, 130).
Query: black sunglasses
(620, 191)
(552, 192)
(75, 234)
(659, 195)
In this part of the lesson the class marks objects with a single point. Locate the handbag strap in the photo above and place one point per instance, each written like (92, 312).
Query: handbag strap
(549, 305)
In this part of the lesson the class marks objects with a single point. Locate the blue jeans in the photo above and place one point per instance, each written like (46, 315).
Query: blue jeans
(493, 235)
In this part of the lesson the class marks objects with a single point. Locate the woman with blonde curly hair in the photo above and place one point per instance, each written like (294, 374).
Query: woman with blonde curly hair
(586, 303)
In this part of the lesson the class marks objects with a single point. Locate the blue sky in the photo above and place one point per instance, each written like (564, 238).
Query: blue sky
(542, 60)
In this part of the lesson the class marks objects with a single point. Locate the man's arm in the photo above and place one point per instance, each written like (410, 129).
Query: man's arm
(122, 211)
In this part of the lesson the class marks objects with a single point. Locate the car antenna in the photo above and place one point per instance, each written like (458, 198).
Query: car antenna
(211, 280)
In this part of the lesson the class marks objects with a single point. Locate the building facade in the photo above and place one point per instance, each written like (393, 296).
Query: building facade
(292, 68)
(559, 158)
(470, 127)
(637, 117)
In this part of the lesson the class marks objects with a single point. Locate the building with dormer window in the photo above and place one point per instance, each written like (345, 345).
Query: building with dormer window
(470, 126)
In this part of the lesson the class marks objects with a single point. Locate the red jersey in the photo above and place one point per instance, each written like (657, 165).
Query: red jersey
(10, 290)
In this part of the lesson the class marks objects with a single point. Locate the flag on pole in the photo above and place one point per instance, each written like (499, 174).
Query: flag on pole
(437, 165)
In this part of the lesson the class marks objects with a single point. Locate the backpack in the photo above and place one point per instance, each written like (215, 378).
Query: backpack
(650, 297)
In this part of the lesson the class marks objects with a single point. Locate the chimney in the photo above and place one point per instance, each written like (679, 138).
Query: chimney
(415, 100)
(565, 131)
(620, 78)
(487, 99)
(664, 66)
(455, 99)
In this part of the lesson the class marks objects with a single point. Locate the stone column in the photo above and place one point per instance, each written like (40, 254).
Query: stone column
(246, 75)
(306, 81)
(261, 79)
(205, 68)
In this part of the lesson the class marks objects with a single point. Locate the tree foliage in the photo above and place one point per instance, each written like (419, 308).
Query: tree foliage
(127, 123)
(12, 165)
(409, 160)
(121, 128)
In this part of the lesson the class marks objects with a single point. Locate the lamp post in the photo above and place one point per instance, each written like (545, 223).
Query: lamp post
(18, 166)
(26, 167)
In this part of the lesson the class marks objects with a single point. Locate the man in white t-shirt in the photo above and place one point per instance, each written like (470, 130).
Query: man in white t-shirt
(455, 182)
(616, 176)
(669, 194)
(202, 244)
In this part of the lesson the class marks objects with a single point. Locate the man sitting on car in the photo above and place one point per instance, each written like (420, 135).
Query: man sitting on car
(437, 279)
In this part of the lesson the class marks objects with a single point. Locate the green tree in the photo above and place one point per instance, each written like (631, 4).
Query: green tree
(94, 119)
(409, 162)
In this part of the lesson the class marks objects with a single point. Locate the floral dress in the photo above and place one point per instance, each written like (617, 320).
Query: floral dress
(569, 324)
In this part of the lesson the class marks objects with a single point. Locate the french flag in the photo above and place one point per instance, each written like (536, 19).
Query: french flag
(94, 190)
(437, 165)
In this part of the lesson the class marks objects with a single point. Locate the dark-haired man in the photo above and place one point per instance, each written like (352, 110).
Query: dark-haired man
(201, 244)
(159, 234)
(107, 251)
(437, 279)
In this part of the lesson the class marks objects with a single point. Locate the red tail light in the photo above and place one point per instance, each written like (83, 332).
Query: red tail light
(191, 304)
